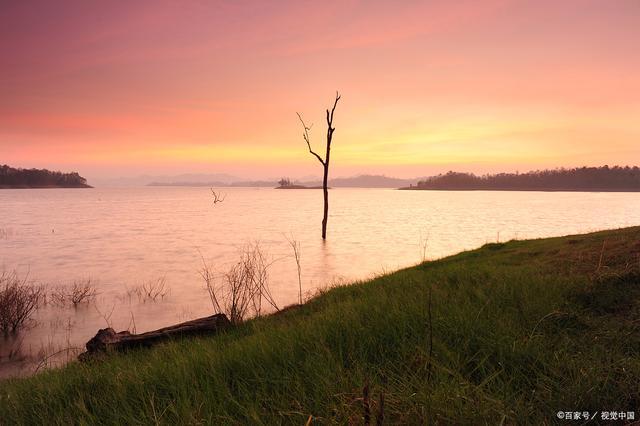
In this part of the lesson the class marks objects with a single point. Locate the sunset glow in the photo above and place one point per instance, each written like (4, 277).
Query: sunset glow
(123, 88)
(319, 212)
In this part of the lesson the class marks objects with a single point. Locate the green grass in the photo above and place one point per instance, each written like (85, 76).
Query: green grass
(516, 332)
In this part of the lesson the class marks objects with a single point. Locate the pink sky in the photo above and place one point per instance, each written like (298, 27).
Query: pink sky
(164, 87)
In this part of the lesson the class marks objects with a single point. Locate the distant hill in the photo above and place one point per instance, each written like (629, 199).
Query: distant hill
(191, 179)
(39, 178)
(214, 184)
(601, 179)
(218, 184)
(362, 181)
(370, 181)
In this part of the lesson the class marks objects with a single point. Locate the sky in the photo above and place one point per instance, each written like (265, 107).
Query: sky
(123, 88)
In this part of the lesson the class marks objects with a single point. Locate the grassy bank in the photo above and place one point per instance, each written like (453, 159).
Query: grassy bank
(510, 332)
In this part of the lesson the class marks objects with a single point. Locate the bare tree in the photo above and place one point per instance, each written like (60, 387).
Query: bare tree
(324, 161)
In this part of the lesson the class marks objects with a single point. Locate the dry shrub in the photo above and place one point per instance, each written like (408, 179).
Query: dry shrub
(82, 292)
(149, 291)
(77, 293)
(152, 290)
(242, 290)
(19, 299)
(58, 296)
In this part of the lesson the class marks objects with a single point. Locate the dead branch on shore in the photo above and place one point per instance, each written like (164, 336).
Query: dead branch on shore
(107, 340)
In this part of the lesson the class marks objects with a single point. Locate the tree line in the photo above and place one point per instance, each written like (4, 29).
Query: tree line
(39, 178)
(603, 178)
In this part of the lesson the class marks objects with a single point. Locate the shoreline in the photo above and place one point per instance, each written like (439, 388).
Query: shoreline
(486, 332)
(408, 188)
(299, 187)
(45, 187)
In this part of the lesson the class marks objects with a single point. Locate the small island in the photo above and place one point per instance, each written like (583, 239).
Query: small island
(586, 179)
(17, 178)
(285, 183)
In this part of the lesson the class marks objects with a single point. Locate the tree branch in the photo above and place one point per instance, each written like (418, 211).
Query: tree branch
(217, 197)
(330, 116)
(306, 139)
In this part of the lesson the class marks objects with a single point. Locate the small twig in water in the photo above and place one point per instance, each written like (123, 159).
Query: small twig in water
(43, 362)
(132, 322)
(423, 245)
(601, 255)
(218, 197)
(295, 245)
(107, 318)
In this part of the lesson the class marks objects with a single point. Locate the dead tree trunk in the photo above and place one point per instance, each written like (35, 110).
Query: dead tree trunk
(107, 340)
(325, 161)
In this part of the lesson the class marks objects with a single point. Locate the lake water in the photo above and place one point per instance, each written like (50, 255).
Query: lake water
(123, 237)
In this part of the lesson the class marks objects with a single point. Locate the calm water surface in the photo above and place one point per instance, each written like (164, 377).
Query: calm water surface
(121, 238)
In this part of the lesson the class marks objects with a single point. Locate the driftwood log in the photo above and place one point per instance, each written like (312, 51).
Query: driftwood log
(107, 340)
